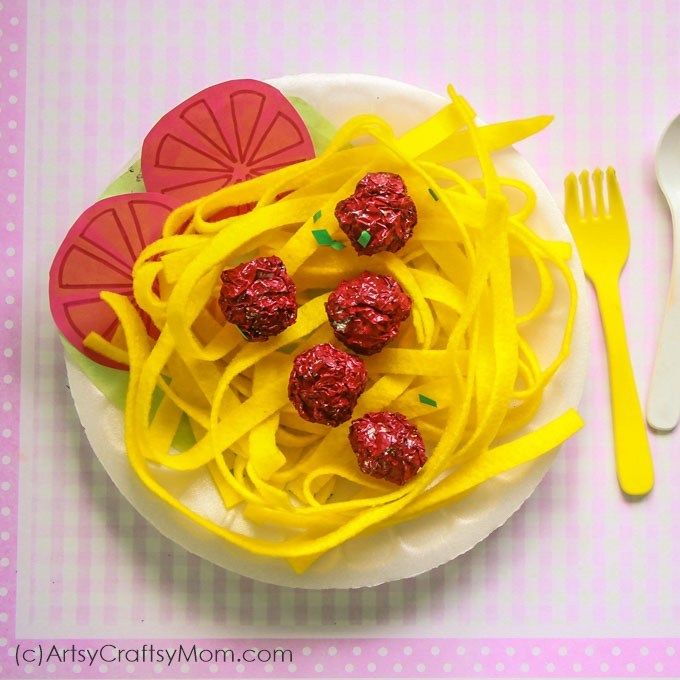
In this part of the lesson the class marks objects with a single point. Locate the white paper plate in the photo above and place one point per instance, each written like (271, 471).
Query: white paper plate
(407, 549)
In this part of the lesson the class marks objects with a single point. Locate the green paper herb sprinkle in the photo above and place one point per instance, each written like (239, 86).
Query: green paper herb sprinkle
(426, 400)
(433, 193)
(317, 216)
(364, 239)
(323, 238)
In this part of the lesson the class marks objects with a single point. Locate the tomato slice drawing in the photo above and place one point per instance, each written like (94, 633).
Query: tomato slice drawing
(98, 254)
(224, 134)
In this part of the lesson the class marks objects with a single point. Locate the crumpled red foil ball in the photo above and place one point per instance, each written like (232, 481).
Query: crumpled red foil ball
(387, 446)
(259, 297)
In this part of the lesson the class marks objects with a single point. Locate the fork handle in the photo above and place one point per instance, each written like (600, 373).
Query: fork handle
(634, 465)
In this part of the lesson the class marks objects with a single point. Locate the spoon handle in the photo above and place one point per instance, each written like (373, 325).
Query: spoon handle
(663, 401)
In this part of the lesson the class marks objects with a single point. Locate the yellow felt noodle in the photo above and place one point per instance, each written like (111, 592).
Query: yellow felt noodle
(98, 344)
(462, 345)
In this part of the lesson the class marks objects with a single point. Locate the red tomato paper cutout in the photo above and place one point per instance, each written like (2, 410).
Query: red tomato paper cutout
(225, 134)
(97, 254)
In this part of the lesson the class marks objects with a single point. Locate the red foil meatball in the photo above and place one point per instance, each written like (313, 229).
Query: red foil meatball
(387, 446)
(259, 297)
(379, 216)
(325, 384)
(366, 312)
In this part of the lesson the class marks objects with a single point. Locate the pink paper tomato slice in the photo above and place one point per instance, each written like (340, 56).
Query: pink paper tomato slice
(222, 135)
(97, 254)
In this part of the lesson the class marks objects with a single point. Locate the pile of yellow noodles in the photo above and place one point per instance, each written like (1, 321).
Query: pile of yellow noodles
(462, 347)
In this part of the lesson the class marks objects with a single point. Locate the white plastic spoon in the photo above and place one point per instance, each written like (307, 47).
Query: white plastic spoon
(663, 404)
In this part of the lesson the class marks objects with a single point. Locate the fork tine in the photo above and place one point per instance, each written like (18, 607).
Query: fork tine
(572, 212)
(599, 194)
(584, 179)
(616, 206)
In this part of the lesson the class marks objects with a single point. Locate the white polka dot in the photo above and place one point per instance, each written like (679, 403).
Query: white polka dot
(510, 651)
(536, 651)
(577, 668)
(3, 591)
(11, 198)
(500, 666)
(434, 651)
(318, 668)
(12, 148)
(397, 668)
(13, 73)
(590, 650)
(644, 651)
(562, 651)
(460, 650)
(349, 668)
(630, 667)
(51, 668)
(76, 668)
(306, 651)
(477, 668)
(485, 651)
(292, 668)
(4, 511)
(213, 668)
(447, 668)
(616, 651)
(11, 226)
(240, 668)
(4, 535)
(6, 433)
(382, 651)
(332, 651)
(28, 669)
(420, 668)
(11, 252)
(6, 405)
(604, 667)
(524, 668)
(14, 21)
(550, 667)
(408, 651)
(12, 125)
(185, 668)
(9, 324)
(4, 562)
(371, 667)
(13, 99)
(8, 352)
(158, 668)
(268, 668)
(670, 651)
(9, 299)
(6, 460)
(10, 273)
(658, 667)
(13, 48)
(3, 616)
(12, 173)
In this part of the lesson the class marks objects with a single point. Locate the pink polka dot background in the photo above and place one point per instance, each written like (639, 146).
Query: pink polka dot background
(516, 37)
(12, 92)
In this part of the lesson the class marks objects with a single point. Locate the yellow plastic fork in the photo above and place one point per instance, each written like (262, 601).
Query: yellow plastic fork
(603, 241)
